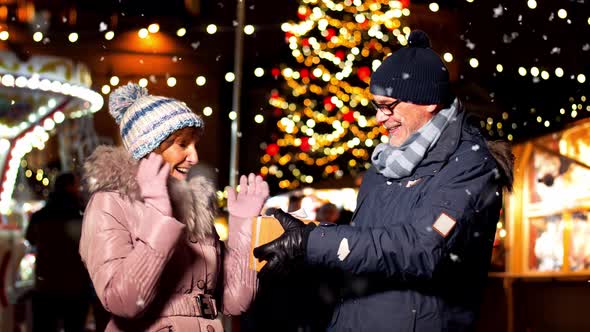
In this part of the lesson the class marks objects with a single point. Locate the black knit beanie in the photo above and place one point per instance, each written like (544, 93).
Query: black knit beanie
(414, 74)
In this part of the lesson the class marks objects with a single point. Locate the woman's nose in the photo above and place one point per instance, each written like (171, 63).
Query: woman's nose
(193, 155)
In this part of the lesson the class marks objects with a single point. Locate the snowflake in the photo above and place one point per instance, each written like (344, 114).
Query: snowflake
(475, 147)
(454, 258)
(140, 302)
(405, 76)
(555, 50)
(102, 26)
(468, 192)
(195, 45)
(586, 47)
(498, 11)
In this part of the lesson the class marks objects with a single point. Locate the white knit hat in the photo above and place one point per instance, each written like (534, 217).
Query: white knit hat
(146, 121)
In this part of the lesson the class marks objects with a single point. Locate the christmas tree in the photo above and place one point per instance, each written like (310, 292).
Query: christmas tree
(326, 126)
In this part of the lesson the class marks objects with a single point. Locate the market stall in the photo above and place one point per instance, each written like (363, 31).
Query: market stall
(546, 231)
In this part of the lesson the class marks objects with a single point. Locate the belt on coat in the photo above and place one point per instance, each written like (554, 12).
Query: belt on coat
(191, 305)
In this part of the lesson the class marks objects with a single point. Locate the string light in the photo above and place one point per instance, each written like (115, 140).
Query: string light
(207, 111)
(230, 77)
(38, 36)
(153, 28)
(211, 29)
(201, 80)
(143, 82)
(143, 33)
(114, 80)
(171, 81)
(181, 32)
(4, 35)
(249, 29)
(73, 37)
(109, 35)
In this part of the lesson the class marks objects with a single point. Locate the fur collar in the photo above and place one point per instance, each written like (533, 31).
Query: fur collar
(193, 202)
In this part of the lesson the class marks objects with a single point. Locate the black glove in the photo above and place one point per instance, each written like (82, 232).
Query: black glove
(288, 250)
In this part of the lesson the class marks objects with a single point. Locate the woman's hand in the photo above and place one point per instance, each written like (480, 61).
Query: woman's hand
(152, 175)
(249, 200)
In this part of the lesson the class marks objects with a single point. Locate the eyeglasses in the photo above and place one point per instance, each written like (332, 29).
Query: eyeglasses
(386, 109)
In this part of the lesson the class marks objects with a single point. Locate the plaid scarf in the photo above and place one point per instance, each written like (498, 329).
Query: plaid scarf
(398, 162)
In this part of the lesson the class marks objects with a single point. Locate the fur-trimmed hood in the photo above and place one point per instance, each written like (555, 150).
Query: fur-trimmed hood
(193, 201)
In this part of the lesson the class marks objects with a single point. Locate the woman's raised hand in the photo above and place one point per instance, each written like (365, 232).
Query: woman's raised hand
(249, 200)
(152, 175)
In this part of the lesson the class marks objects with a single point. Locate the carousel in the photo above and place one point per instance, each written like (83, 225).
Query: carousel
(38, 98)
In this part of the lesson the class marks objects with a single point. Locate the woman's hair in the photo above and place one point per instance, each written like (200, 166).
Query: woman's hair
(186, 132)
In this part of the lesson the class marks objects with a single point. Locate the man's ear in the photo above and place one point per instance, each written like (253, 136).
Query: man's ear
(431, 108)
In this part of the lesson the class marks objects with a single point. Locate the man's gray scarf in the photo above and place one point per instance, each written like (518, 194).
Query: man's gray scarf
(398, 162)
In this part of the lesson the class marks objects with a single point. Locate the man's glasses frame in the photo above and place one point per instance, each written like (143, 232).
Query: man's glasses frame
(386, 109)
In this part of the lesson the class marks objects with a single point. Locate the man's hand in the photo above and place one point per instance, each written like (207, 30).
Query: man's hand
(152, 175)
(287, 250)
(248, 201)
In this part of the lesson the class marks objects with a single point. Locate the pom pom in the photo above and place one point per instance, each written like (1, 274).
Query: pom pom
(419, 38)
(123, 97)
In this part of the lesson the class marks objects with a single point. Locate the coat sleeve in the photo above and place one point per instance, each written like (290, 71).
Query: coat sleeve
(125, 266)
(411, 251)
(239, 280)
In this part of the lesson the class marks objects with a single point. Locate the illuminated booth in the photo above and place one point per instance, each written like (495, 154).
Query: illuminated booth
(543, 236)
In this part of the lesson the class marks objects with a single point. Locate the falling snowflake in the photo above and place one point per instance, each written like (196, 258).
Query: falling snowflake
(405, 76)
(195, 45)
(498, 11)
(457, 159)
(476, 234)
(102, 58)
(519, 18)
(454, 258)
(497, 193)
(496, 173)
(217, 58)
(153, 79)
(102, 27)
(475, 147)
(586, 47)
(234, 23)
(251, 7)
(140, 302)
(551, 17)
(175, 59)
(429, 229)
(469, 44)
(46, 41)
(544, 37)
(555, 50)
(64, 19)
(468, 192)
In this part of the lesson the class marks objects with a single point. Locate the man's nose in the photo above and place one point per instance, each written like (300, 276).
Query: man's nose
(381, 117)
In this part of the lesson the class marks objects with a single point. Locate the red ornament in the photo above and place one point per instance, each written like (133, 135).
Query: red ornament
(330, 33)
(328, 105)
(275, 72)
(303, 14)
(305, 147)
(363, 73)
(348, 117)
(272, 149)
(304, 73)
(405, 3)
(287, 36)
(305, 42)
(340, 54)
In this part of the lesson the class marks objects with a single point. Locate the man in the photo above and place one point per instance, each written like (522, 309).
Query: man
(416, 255)
(62, 289)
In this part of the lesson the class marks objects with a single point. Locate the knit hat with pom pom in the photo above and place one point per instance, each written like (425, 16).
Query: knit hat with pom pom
(146, 121)
(414, 74)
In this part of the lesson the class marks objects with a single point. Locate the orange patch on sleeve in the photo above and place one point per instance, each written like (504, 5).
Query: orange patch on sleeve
(444, 224)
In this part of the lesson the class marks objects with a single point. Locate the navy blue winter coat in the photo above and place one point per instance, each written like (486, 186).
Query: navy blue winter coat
(403, 275)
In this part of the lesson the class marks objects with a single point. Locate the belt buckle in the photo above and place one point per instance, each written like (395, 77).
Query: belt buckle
(206, 306)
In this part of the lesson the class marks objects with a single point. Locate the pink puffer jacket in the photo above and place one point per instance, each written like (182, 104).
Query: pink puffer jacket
(145, 269)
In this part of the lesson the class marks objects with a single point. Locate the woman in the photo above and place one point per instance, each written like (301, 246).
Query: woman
(148, 238)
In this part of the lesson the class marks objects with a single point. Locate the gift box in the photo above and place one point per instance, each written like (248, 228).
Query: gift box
(264, 230)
